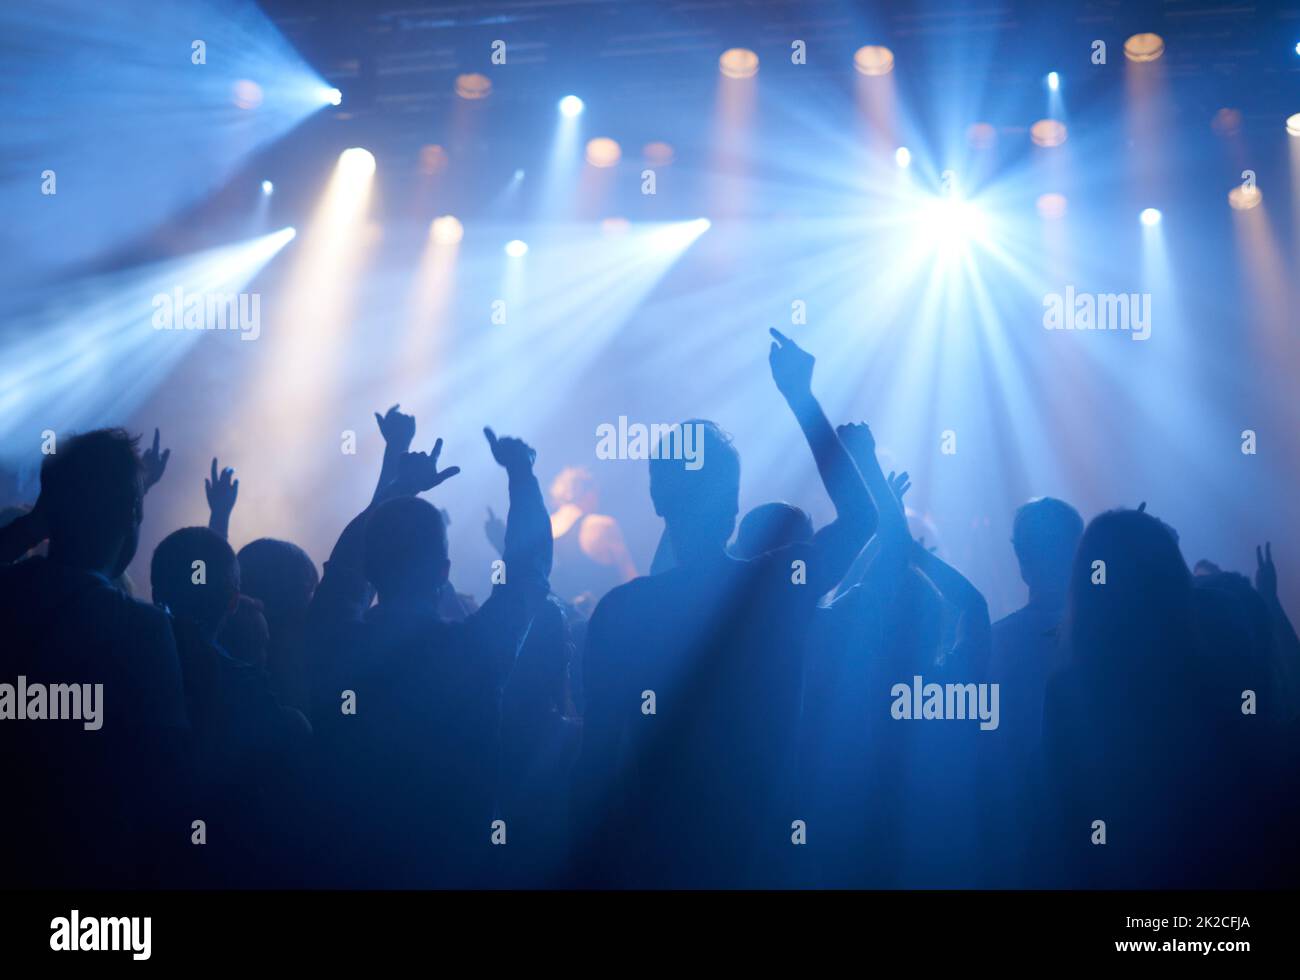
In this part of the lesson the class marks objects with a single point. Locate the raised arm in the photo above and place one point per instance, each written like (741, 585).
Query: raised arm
(221, 490)
(974, 634)
(398, 430)
(855, 515)
(343, 592)
(879, 567)
(1286, 645)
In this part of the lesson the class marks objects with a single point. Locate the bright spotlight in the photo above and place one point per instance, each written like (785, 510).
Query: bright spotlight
(516, 249)
(571, 106)
(1244, 198)
(1293, 125)
(903, 156)
(268, 188)
(447, 230)
(1149, 217)
(950, 222)
(331, 96)
(1053, 80)
(603, 152)
(873, 59)
(1048, 132)
(357, 162)
(1297, 47)
(1144, 47)
(738, 63)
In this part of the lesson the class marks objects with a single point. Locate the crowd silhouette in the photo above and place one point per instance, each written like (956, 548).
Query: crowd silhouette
(741, 717)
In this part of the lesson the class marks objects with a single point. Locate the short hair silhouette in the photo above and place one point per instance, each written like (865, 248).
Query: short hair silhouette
(92, 493)
(704, 500)
(771, 526)
(406, 547)
(279, 574)
(1045, 535)
(204, 595)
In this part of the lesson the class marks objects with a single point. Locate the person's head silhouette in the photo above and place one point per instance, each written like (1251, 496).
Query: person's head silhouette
(1130, 592)
(281, 575)
(406, 550)
(92, 497)
(698, 497)
(771, 526)
(195, 574)
(1045, 535)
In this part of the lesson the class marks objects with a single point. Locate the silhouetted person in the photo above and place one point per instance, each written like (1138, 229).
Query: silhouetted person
(90, 806)
(1027, 650)
(540, 738)
(406, 705)
(283, 578)
(245, 745)
(693, 676)
(1137, 739)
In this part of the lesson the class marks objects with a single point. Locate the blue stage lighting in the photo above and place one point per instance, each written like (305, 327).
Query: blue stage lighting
(903, 156)
(516, 249)
(1053, 81)
(571, 106)
(1149, 217)
(268, 188)
(331, 96)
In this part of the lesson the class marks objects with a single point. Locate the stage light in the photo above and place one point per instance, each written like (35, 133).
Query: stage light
(873, 59)
(356, 162)
(950, 222)
(1048, 132)
(571, 106)
(446, 230)
(1149, 217)
(658, 154)
(247, 94)
(331, 96)
(268, 188)
(1244, 198)
(1293, 125)
(1297, 47)
(738, 63)
(519, 175)
(1051, 206)
(516, 249)
(603, 152)
(1144, 47)
(1226, 122)
(981, 136)
(1053, 80)
(473, 86)
(433, 159)
(903, 157)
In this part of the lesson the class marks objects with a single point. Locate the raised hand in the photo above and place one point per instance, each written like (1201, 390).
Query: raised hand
(153, 463)
(417, 472)
(792, 367)
(514, 454)
(495, 529)
(1265, 571)
(858, 439)
(397, 429)
(899, 485)
(221, 489)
